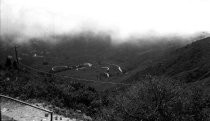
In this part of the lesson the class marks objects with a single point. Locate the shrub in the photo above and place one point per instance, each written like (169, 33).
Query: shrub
(159, 99)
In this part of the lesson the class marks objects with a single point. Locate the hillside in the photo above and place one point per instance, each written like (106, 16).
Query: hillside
(190, 63)
(155, 98)
(174, 88)
(97, 50)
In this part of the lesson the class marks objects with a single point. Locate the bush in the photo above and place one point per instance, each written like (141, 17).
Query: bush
(159, 99)
(61, 93)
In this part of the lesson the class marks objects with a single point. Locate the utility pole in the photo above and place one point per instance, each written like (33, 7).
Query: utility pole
(16, 55)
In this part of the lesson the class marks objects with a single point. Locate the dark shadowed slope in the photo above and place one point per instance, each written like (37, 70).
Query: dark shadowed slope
(189, 63)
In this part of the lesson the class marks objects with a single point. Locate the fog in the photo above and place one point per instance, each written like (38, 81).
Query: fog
(122, 19)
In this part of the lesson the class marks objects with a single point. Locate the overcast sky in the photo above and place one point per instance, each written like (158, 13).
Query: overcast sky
(121, 18)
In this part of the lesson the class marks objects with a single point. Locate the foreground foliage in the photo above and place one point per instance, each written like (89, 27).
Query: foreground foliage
(160, 99)
(61, 93)
(151, 99)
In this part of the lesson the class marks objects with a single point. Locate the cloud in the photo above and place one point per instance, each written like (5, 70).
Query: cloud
(120, 18)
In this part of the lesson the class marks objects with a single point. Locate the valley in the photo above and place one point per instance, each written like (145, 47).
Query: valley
(106, 81)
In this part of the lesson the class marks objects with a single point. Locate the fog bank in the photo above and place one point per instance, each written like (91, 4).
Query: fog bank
(122, 20)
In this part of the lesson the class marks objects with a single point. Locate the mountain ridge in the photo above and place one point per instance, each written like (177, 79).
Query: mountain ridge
(189, 63)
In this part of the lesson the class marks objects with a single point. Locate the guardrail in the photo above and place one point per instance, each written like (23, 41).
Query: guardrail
(22, 102)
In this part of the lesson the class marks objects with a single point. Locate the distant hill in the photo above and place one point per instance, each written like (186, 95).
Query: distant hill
(189, 63)
(95, 49)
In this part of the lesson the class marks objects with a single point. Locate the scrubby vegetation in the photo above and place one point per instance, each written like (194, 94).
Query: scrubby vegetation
(159, 99)
(152, 99)
(61, 93)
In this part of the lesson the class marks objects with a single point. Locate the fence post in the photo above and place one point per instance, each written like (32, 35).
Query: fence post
(51, 115)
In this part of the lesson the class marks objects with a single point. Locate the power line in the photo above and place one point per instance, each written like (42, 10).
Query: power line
(79, 79)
